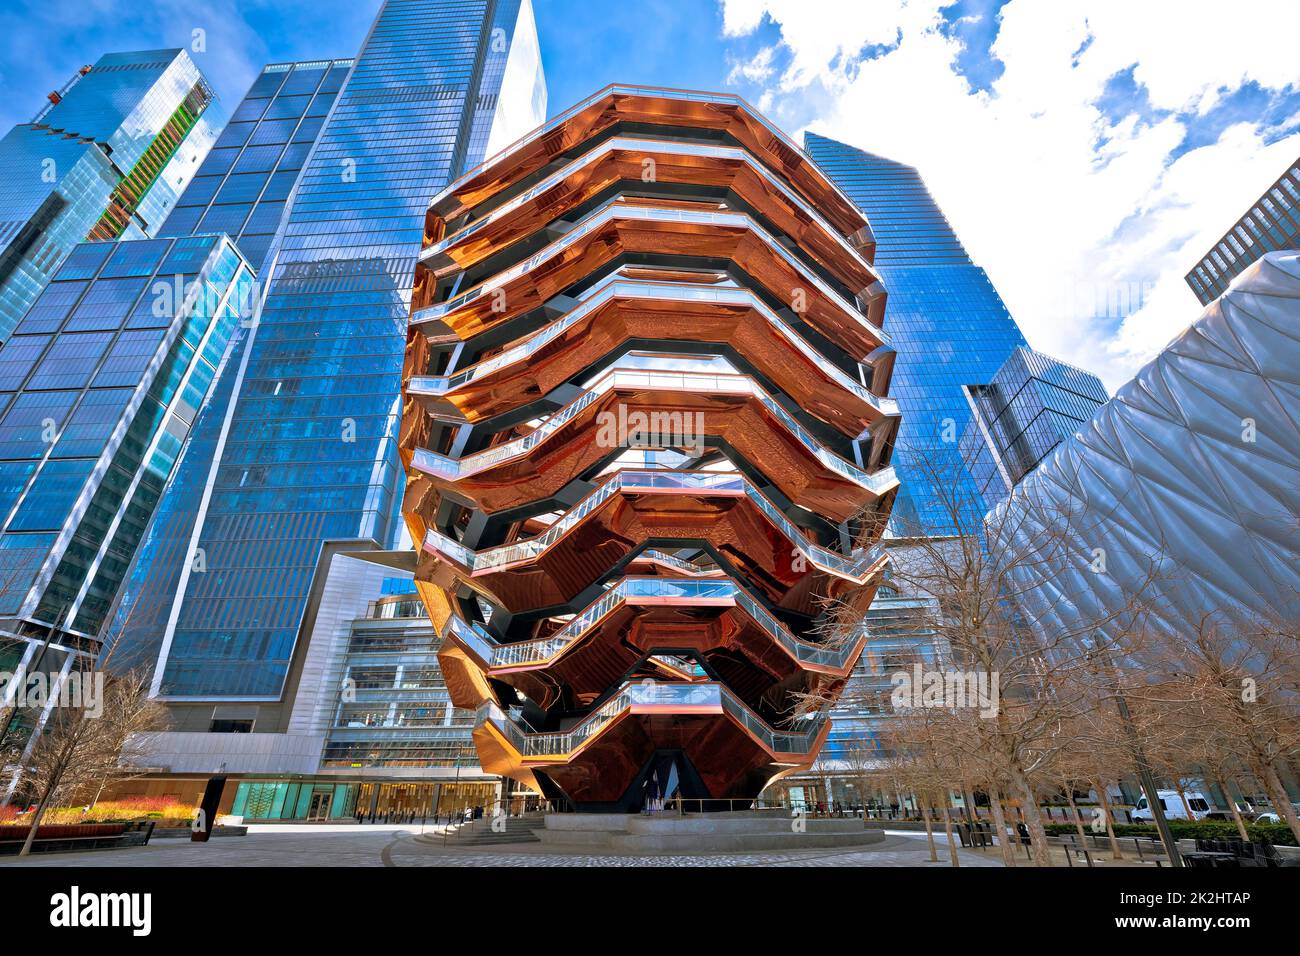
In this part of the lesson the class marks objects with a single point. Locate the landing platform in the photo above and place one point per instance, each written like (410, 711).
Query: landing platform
(669, 832)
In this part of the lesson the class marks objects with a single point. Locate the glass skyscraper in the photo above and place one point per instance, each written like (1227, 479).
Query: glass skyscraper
(243, 187)
(1033, 403)
(1271, 224)
(101, 382)
(946, 322)
(105, 159)
(100, 385)
(950, 329)
(306, 451)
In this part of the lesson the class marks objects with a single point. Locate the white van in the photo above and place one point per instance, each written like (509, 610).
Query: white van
(1172, 804)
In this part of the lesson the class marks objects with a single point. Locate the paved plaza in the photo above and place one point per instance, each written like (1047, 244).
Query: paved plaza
(386, 845)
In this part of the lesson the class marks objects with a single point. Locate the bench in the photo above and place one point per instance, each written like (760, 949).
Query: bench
(1073, 851)
(1233, 853)
(1148, 850)
(974, 834)
(64, 838)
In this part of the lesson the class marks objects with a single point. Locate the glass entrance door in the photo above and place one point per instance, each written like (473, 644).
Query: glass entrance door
(320, 805)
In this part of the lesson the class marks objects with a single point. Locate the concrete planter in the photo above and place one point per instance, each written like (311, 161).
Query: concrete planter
(183, 833)
(701, 833)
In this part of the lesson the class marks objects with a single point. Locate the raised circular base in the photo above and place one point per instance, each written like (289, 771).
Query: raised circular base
(701, 833)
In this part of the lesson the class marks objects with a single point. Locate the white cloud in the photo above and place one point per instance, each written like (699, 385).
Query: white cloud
(820, 35)
(1079, 221)
(757, 69)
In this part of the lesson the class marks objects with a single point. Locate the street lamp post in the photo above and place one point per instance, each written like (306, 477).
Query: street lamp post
(1145, 776)
(1148, 781)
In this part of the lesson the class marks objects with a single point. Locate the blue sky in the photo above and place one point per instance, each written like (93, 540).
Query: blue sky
(1087, 151)
(585, 44)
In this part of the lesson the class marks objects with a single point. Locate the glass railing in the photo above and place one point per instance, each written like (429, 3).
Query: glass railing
(615, 209)
(681, 564)
(688, 669)
(667, 590)
(777, 741)
(557, 744)
(454, 469)
(659, 92)
(688, 696)
(644, 146)
(857, 566)
(531, 548)
(620, 287)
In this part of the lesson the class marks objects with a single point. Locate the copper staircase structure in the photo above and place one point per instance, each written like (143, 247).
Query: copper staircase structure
(647, 437)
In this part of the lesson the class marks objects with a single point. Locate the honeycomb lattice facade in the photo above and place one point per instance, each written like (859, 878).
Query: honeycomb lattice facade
(647, 444)
(1188, 480)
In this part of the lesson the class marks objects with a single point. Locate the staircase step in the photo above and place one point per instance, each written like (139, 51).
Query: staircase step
(516, 830)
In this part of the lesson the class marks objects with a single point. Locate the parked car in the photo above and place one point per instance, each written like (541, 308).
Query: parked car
(1272, 816)
(1246, 811)
(1172, 804)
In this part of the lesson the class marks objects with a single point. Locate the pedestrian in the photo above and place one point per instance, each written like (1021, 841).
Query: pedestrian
(651, 793)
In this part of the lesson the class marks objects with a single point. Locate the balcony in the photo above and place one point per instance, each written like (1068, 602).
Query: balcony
(612, 233)
(619, 311)
(621, 164)
(734, 411)
(632, 510)
(701, 719)
(717, 622)
(618, 105)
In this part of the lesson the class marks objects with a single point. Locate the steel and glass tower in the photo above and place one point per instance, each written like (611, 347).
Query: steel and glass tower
(1270, 225)
(106, 158)
(1032, 404)
(243, 187)
(946, 321)
(102, 379)
(647, 444)
(306, 451)
(950, 330)
(244, 183)
(104, 375)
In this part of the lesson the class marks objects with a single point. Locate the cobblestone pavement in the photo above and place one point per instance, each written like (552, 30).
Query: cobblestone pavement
(382, 845)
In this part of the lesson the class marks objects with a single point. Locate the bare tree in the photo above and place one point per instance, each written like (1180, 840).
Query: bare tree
(925, 760)
(79, 748)
(978, 572)
(13, 734)
(1100, 754)
(861, 760)
(1214, 754)
(1084, 698)
(1240, 678)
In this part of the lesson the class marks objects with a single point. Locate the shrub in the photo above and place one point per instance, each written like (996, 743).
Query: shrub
(1279, 834)
(162, 810)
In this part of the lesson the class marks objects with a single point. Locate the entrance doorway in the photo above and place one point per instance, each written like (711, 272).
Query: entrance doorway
(320, 805)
